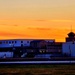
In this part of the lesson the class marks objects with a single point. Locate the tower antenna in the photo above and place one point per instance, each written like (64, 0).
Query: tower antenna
(71, 28)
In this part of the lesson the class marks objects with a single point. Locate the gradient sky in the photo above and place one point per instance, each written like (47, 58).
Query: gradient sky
(47, 19)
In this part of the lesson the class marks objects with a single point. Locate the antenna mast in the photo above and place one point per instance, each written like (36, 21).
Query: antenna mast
(71, 28)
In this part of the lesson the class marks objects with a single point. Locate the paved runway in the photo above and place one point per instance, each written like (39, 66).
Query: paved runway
(38, 62)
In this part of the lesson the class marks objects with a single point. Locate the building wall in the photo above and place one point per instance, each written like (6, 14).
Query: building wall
(14, 43)
(17, 42)
(69, 48)
(6, 54)
(55, 47)
(40, 43)
(70, 39)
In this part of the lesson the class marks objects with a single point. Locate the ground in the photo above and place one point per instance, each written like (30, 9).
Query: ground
(37, 69)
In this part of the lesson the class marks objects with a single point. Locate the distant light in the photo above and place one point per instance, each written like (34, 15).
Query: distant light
(10, 44)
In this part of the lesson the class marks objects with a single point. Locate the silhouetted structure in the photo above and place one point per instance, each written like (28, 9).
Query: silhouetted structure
(71, 37)
(37, 48)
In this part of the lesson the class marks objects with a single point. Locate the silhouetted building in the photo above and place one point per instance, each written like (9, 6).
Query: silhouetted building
(15, 43)
(55, 47)
(38, 44)
(68, 47)
(38, 47)
(71, 37)
(23, 47)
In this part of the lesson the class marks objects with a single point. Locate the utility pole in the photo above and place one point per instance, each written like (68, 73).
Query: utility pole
(71, 28)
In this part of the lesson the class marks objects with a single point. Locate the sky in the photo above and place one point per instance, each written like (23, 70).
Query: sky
(36, 19)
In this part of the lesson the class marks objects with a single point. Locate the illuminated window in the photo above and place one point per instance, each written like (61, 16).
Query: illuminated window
(31, 50)
(40, 51)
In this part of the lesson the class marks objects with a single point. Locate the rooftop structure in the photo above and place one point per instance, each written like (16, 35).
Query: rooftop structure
(19, 42)
(71, 37)
(38, 47)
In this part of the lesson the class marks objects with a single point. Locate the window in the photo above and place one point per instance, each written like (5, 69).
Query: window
(12, 41)
(21, 45)
(6, 42)
(21, 41)
(47, 51)
(3, 41)
(15, 41)
(31, 50)
(40, 51)
(27, 41)
(9, 42)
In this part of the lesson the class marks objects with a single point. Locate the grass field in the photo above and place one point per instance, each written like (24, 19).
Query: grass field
(37, 69)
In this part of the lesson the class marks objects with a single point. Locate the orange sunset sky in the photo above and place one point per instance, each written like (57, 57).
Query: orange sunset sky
(45, 19)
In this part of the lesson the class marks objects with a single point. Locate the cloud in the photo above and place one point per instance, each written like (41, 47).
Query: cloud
(41, 20)
(15, 25)
(38, 28)
(55, 20)
(8, 25)
(61, 20)
(9, 34)
(50, 20)
(45, 33)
